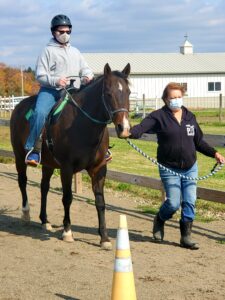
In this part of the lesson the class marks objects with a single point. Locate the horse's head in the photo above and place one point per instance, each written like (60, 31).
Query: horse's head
(116, 98)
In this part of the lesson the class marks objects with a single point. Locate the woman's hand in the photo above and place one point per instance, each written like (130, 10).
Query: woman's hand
(220, 159)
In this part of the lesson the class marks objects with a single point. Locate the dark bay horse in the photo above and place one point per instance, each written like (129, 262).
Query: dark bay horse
(80, 141)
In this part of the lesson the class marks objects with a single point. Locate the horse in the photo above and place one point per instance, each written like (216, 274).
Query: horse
(80, 141)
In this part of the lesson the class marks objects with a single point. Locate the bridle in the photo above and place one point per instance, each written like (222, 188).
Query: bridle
(110, 112)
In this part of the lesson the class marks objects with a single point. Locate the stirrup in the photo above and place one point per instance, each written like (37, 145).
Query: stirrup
(32, 163)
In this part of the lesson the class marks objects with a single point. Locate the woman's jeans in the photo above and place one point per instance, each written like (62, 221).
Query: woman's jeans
(46, 99)
(179, 192)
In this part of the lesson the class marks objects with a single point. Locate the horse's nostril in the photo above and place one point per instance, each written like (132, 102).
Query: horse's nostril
(120, 127)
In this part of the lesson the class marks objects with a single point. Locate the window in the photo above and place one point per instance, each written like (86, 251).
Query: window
(184, 84)
(214, 86)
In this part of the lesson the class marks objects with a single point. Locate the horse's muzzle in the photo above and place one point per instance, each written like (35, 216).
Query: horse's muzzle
(123, 131)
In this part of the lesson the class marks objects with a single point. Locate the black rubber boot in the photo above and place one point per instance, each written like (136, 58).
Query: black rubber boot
(158, 228)
(186, 241)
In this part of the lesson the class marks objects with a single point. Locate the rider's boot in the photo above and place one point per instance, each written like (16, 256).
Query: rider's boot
(33, 157)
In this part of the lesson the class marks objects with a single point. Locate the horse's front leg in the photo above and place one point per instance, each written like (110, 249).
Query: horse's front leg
(98, 180)
(22, 181)
(66, 178)
(46, 176)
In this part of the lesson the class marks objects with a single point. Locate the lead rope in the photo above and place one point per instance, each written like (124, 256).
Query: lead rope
(214, 170)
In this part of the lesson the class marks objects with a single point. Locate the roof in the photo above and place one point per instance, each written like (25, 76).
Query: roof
(187, 44)
(159, 63)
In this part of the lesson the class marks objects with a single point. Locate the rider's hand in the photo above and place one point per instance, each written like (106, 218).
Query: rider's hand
(63, 82)
(220, 159)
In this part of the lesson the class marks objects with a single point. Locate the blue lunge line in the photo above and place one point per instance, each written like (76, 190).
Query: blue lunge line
(214, 170)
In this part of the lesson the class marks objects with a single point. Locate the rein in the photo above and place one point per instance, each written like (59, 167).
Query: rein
(109, 112)
(214, 170)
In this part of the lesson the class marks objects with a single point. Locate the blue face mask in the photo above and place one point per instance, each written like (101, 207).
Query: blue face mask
(175, 103)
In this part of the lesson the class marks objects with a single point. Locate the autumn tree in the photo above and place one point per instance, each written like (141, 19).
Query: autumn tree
(11, 81)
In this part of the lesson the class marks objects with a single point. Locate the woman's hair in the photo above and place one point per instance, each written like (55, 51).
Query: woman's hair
(172, 86)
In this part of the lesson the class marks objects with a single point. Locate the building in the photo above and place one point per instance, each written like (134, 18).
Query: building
(202, 74)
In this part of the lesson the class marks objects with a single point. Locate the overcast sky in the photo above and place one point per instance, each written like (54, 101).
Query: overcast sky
(111, 26)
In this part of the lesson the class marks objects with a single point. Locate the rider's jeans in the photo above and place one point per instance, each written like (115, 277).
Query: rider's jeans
(179, 192)
(47, 97)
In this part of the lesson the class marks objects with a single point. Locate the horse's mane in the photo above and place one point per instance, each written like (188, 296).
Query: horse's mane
(99, 77)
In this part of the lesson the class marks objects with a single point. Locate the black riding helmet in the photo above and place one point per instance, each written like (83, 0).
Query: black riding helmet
(60, 20)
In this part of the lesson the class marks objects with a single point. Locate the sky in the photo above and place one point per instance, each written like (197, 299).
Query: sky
(153, 26)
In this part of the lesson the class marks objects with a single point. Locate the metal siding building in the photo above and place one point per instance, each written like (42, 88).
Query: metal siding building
(151, 72)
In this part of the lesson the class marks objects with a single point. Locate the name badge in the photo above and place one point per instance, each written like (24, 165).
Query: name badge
(190, 130)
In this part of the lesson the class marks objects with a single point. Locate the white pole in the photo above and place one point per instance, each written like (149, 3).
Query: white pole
(22, 88)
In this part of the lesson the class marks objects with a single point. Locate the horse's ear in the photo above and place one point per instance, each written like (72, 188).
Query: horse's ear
(126, 70)
(107, 70)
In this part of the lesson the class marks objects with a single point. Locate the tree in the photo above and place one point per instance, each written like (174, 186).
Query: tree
(11, 81)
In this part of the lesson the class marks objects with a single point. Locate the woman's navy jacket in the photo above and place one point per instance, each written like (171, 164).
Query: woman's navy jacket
(177, 143)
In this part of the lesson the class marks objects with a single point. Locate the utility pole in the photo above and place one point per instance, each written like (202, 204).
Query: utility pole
(22, 85)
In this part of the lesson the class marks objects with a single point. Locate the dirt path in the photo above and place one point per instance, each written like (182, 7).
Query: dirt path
(37, 265)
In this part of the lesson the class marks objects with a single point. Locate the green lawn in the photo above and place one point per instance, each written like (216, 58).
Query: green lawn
(126, 159)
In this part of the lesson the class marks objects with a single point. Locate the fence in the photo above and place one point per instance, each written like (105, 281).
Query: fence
(7, 104)
(139, 106)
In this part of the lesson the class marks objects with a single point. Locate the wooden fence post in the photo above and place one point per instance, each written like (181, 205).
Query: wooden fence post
(220, 108)
(78, 183)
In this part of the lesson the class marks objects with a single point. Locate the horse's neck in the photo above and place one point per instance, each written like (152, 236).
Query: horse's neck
(92, 102)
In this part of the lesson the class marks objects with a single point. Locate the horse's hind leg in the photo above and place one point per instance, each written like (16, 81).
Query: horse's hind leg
(22, 181)
(98, 180)
(45, 184)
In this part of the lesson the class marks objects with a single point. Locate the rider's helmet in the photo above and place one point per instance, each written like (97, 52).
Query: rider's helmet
(60, 20)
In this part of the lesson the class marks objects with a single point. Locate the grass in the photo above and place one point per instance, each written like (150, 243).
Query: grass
(221, 242)
(5, 143)
(126, 159)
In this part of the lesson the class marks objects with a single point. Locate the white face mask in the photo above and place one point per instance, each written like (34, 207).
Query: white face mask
(175, 103)
(63, 38)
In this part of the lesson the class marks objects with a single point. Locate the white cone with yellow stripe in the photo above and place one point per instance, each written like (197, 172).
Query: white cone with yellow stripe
(123, 287)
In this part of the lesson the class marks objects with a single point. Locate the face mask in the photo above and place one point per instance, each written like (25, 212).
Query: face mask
(63, 38)
(175, 103)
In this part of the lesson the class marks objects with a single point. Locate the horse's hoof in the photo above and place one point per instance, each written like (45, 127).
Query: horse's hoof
(47, 226)
(67, 236)
(25, 217)
(106, 245)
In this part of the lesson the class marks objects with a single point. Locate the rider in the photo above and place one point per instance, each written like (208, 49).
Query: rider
(58, 61)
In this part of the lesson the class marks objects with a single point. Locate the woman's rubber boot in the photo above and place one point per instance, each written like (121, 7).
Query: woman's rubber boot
(186, 241)
(158, 228)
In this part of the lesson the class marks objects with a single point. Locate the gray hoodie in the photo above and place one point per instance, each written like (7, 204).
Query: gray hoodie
(57, 61)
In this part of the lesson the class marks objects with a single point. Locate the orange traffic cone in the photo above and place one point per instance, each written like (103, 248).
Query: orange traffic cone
(123, 287)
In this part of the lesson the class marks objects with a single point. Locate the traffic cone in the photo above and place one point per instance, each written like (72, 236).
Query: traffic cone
(123, 287)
